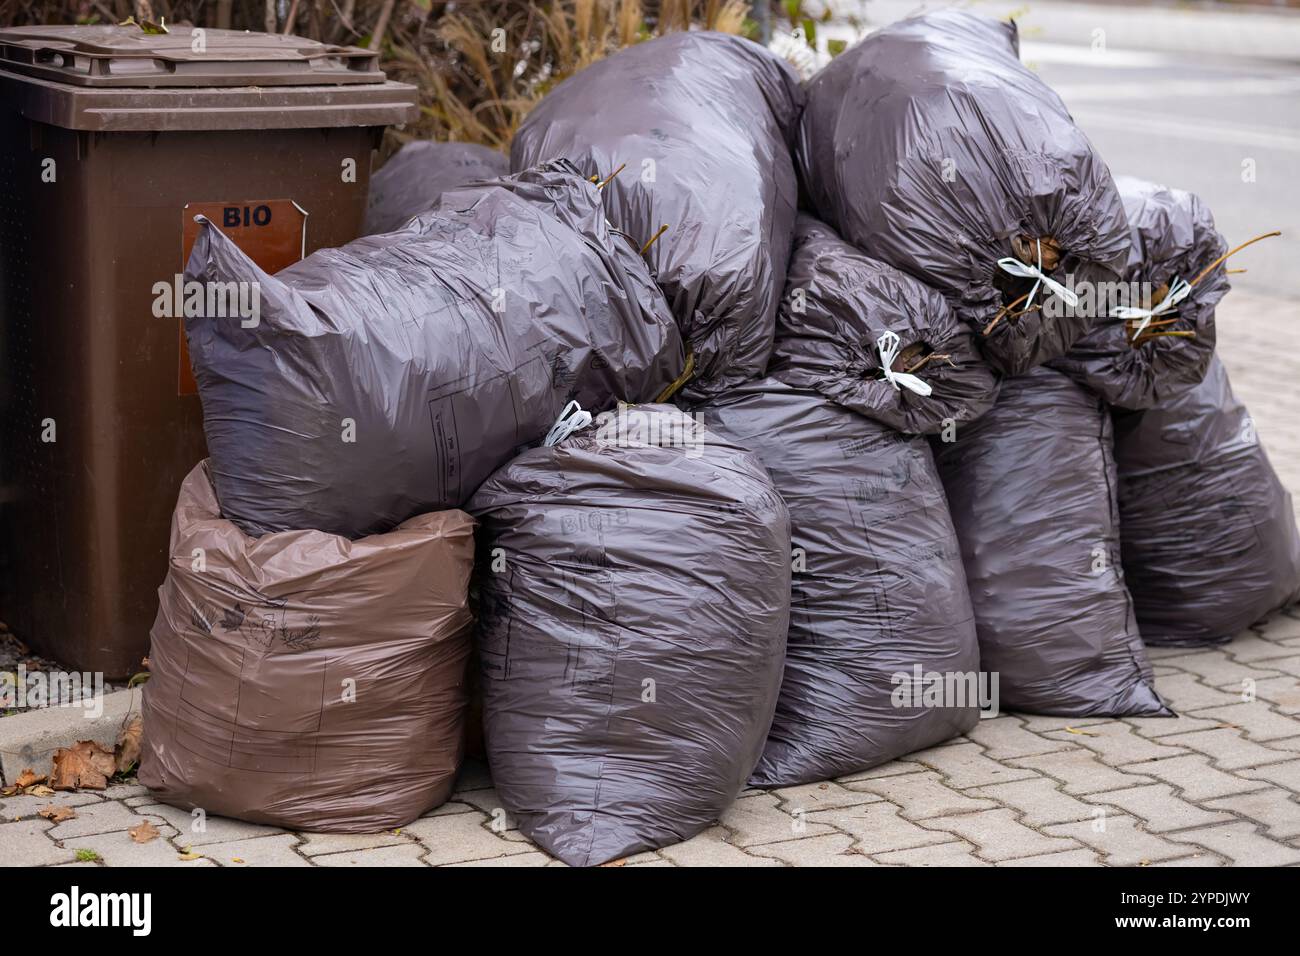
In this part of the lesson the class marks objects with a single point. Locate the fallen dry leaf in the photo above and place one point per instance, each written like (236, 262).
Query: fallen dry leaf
(57, 814)
(27, 778)
(622, 862)
(235, 859)
(128, 745)
(1081, 733)
(40, 790)
(189, 856)
(86, 766)
(143, 832)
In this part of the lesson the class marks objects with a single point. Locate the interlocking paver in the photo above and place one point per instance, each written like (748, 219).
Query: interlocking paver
(1240, 843)
(25, 844)
(1197, 780)
(1256, 719)
(1039, 801)
(1081, 771)
(199, 830)
(1118, 744)
(118, 849)
(1007, 736)
(275, 850)
(964, 765)
(1080, 857)
(1117, 837)
(878, 828)
(1229, 749)
(1218, 670)
(1277, 810)
(102, 817)
(1283, 774)
(456, 837)
(1159, 808)
(999, 835)
(759, 819)
(822, 796)
(1186, 694)
(924, 794)
(17, 808)
(317, 843)
(1250, 646)
(712, 848)
(1153, 728)
(831, 849)
(1283, 693)
(536, 858)
(405, 855)
(959, 853)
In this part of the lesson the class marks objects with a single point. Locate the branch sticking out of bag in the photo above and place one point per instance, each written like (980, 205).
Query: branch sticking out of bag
(605, 182)
(653, 239)
(1232, 252)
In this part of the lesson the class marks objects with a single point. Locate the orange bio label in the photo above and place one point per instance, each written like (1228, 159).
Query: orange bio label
(271, 232)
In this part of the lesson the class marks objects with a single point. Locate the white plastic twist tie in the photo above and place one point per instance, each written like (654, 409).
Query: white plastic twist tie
(888, 347)
(572, 419)
(1179, 289)
(1018, 268)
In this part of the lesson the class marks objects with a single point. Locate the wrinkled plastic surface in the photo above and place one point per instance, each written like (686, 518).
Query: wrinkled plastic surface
(878, 588)
(246, 710)
(438, 349)
(930, 146)
(632, 637)
(418, 173)
(705, 123)
(1209, 532)
(1173, 237)
(1031, 488)
(837, 304)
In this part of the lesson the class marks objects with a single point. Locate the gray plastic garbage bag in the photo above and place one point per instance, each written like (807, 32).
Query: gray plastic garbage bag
(418, 173)
(839, 303)
(879, 604)
(389, 377)
(1031, 487)
(1174, 239)
(930, 146)
(1209, 533)
(305, 680)
(634, 600)
(705, 123)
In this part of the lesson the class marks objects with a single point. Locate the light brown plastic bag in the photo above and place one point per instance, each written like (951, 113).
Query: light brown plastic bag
(305, 680)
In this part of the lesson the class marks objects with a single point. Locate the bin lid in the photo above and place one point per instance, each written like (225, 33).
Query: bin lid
(126, 56)
(121, 79)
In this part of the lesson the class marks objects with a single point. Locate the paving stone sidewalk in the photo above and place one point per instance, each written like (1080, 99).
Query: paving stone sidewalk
(1216, 786)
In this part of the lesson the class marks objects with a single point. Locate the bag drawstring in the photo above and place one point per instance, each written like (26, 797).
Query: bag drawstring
(1017, 268)
(888, 346)
(1178, 290)
(572, 419)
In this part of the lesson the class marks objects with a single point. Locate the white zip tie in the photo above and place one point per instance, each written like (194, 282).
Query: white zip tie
(572, 419)
(887, 345)
(1179, 289)
(1017, 268)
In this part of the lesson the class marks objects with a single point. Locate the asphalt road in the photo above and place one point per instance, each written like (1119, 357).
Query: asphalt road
(1193, 121)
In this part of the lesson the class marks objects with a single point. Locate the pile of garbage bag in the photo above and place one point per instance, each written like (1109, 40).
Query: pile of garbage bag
(762, 498)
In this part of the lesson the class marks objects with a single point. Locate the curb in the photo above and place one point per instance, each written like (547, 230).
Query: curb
(29, 740)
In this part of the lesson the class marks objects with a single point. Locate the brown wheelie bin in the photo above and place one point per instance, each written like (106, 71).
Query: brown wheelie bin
(111, 142)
